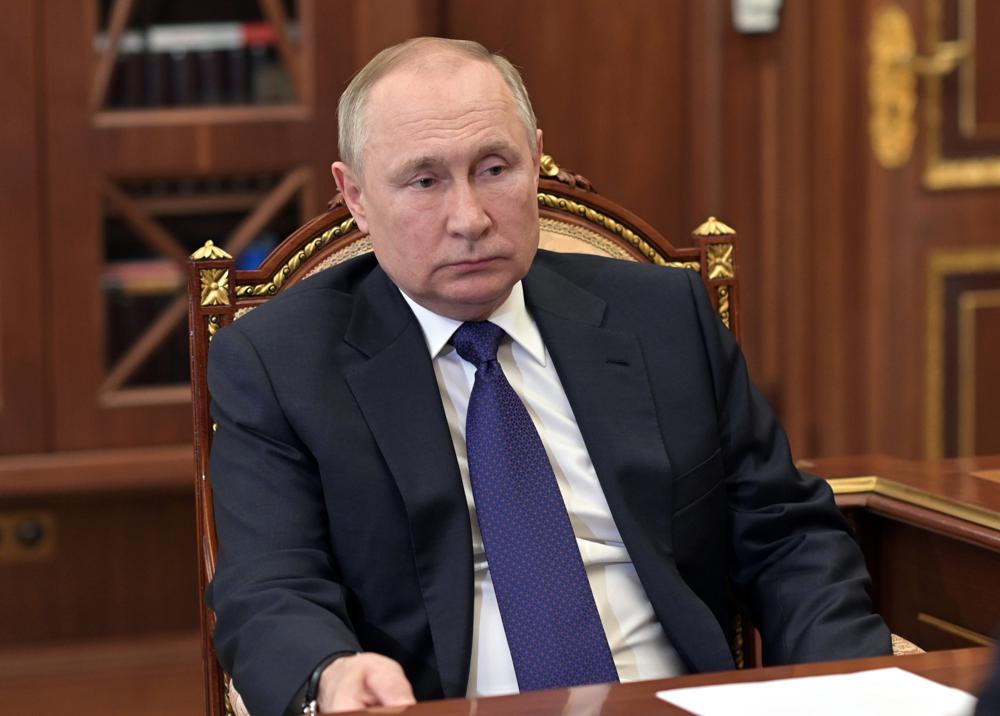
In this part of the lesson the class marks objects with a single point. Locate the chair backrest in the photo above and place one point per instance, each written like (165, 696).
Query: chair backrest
(573, 217)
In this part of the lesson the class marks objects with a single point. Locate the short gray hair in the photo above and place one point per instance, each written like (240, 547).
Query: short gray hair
(351, 122)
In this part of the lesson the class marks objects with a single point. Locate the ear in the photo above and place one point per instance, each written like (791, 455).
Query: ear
(538, 159)
(350, 188)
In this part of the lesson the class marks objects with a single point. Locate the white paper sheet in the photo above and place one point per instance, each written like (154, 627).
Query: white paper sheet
(880, 692)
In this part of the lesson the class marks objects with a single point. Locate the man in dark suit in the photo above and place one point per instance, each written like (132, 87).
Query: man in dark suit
(372, 531)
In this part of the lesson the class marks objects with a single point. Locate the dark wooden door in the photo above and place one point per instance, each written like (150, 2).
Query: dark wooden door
(933, 210)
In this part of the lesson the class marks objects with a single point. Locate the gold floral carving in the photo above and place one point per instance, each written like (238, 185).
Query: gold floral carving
(723, 293)
(549, 168)
(210, 252)
(271, 287)
(214, 324)
(892, 87)
(720, 261)
(615, 227)
(714, 227)
(214, 287)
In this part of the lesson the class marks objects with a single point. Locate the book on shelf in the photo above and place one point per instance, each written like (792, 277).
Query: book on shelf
(140, 277)
(198, 64)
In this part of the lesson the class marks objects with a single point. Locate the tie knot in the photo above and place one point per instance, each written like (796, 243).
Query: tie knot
(477, 341)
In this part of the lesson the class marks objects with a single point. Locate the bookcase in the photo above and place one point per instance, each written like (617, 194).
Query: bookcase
(132, 132)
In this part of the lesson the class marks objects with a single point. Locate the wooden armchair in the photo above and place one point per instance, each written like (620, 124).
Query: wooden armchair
(573, 217)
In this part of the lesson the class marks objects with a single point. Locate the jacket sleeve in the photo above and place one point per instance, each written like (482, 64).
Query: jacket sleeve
(276, 593)
(792, 558)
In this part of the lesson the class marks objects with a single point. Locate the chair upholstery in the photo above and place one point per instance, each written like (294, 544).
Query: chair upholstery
(573, 217)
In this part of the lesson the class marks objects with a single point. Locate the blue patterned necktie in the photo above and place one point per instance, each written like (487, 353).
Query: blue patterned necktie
(553, 629)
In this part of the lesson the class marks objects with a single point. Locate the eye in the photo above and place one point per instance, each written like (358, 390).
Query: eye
(496, 170)
(423, 183)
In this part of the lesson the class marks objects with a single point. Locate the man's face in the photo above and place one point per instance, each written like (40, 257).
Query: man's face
(449, 188)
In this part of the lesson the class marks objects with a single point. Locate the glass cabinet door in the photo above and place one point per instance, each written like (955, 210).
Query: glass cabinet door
(169, 124)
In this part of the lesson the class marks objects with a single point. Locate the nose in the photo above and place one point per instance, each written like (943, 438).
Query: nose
(467, 217)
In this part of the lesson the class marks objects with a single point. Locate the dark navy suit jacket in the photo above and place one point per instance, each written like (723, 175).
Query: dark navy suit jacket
(341, 515)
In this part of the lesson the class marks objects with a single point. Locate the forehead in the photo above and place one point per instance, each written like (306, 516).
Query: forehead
(441, 100)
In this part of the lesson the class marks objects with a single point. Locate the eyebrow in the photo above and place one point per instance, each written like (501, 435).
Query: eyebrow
(429, 161)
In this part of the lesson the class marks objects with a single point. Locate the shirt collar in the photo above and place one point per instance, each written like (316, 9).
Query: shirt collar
(512, 316)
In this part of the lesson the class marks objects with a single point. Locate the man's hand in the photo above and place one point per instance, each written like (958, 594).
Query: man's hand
(356, 682)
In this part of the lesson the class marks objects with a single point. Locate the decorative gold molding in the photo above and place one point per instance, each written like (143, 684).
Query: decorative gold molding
(548, 166)
(271, 287)
(968, 124)
(939, 172)
(912, 496)
(968, 303)
(723, 294)
(940, 266)
(214, 287)
(213, 326)
(714, 227)
(892, 87)
(853, 485)
(596, 217)
(737, 643)
(210, 252)
(954, 629)
(720, 261)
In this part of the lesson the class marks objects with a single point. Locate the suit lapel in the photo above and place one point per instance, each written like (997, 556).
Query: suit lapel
(399, 397)
(605, 378)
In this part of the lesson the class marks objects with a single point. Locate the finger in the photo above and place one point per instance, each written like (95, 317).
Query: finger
(349, 692)
(344, 700)
(390, 686)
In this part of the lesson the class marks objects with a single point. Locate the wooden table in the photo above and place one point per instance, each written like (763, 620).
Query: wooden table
(930, 531)
(962, 668)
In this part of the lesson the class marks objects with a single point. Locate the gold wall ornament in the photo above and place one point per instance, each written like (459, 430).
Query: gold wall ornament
(210, 252)
(720, 261)
(892, 87)
(969, 303)
(714, 227)
(941, 265)
(940, 172)
(723, 293)
(214, 287)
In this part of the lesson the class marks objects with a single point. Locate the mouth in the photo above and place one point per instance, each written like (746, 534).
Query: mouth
(474, 264)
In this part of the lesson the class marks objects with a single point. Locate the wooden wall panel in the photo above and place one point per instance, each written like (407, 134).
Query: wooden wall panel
(21, 296)
(121, 564)
(671, 111)
(610, 88)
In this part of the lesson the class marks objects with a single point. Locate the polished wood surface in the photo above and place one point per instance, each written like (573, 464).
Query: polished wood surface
(930, 532)
(159, 675)
(962, 668)
(22, 392)
(962, 481)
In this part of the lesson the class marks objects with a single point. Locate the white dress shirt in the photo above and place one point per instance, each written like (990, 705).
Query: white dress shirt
(638, 644)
